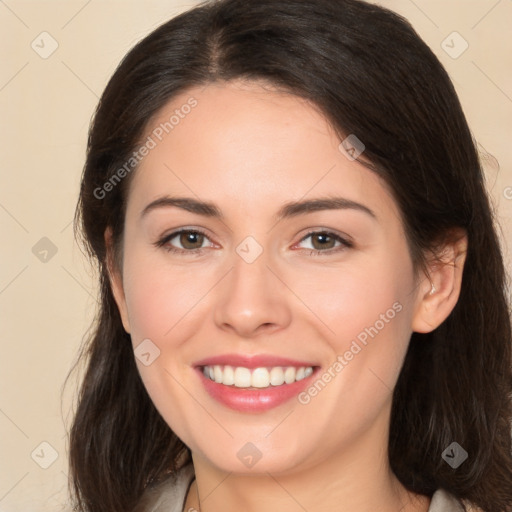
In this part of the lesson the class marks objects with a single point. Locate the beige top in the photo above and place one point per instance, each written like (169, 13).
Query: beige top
(170, 496)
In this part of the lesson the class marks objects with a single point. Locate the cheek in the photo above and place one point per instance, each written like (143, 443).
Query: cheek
(367, 313)
(366, 294)
(369, 318)
(159, 297)
(147, 311)
(164, 306)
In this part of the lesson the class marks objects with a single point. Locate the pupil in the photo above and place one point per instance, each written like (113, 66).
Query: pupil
(323, 237)
(189, 238)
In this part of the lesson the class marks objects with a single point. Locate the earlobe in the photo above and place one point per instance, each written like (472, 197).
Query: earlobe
(116, 281)
(439, 292)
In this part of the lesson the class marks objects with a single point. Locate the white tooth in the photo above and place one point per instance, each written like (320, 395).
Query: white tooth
(276, 376)
(300, 373)
(217, 373)
(260, 378)
(228, 378)
(242, 377)
(289, 375)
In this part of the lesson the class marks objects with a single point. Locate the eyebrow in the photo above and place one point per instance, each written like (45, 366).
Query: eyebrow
(291, 209)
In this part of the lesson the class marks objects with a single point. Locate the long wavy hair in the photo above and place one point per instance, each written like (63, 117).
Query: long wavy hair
(371, 75)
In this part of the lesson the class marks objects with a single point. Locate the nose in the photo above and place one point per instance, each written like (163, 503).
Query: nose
(253, 299)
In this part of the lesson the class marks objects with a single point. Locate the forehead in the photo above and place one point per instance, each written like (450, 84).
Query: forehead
(243, 143)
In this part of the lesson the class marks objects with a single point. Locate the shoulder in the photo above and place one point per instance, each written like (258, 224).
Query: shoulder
(443, 501)
(169, 495)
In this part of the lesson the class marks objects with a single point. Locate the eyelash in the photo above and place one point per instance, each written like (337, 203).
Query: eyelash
(346, 244)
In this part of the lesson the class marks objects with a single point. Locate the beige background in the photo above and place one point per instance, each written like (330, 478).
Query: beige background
(47, 299)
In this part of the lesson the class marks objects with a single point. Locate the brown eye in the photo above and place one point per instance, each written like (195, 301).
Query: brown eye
(190, 239)
(325, 242)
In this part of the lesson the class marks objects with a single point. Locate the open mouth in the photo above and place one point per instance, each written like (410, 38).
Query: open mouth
(256, 378)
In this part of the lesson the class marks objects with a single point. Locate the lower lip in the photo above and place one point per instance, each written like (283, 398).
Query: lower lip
(254, 400)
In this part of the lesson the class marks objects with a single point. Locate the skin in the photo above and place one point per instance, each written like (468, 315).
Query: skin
(250, 150)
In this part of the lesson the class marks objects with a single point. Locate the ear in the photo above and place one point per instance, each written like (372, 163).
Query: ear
(116, 280)
(439, 291)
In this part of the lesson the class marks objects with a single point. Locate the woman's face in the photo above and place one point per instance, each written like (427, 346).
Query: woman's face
(265, 276)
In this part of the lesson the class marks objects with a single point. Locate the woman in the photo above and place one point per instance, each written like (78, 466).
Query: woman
(303, 295)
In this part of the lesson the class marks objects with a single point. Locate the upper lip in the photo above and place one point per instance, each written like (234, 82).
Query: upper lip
(256, 361)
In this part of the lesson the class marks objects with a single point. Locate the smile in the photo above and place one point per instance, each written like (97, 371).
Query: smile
(242, 377)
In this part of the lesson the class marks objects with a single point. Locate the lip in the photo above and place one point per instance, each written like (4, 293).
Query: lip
(251, 400)
(251, 362)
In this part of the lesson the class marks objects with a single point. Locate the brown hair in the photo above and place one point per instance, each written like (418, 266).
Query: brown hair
(371, 74)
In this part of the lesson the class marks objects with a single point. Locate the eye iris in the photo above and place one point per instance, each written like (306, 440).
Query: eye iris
(189, 236)
(324, 237)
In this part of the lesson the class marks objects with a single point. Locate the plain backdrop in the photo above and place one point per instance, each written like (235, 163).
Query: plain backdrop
(56, 58)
